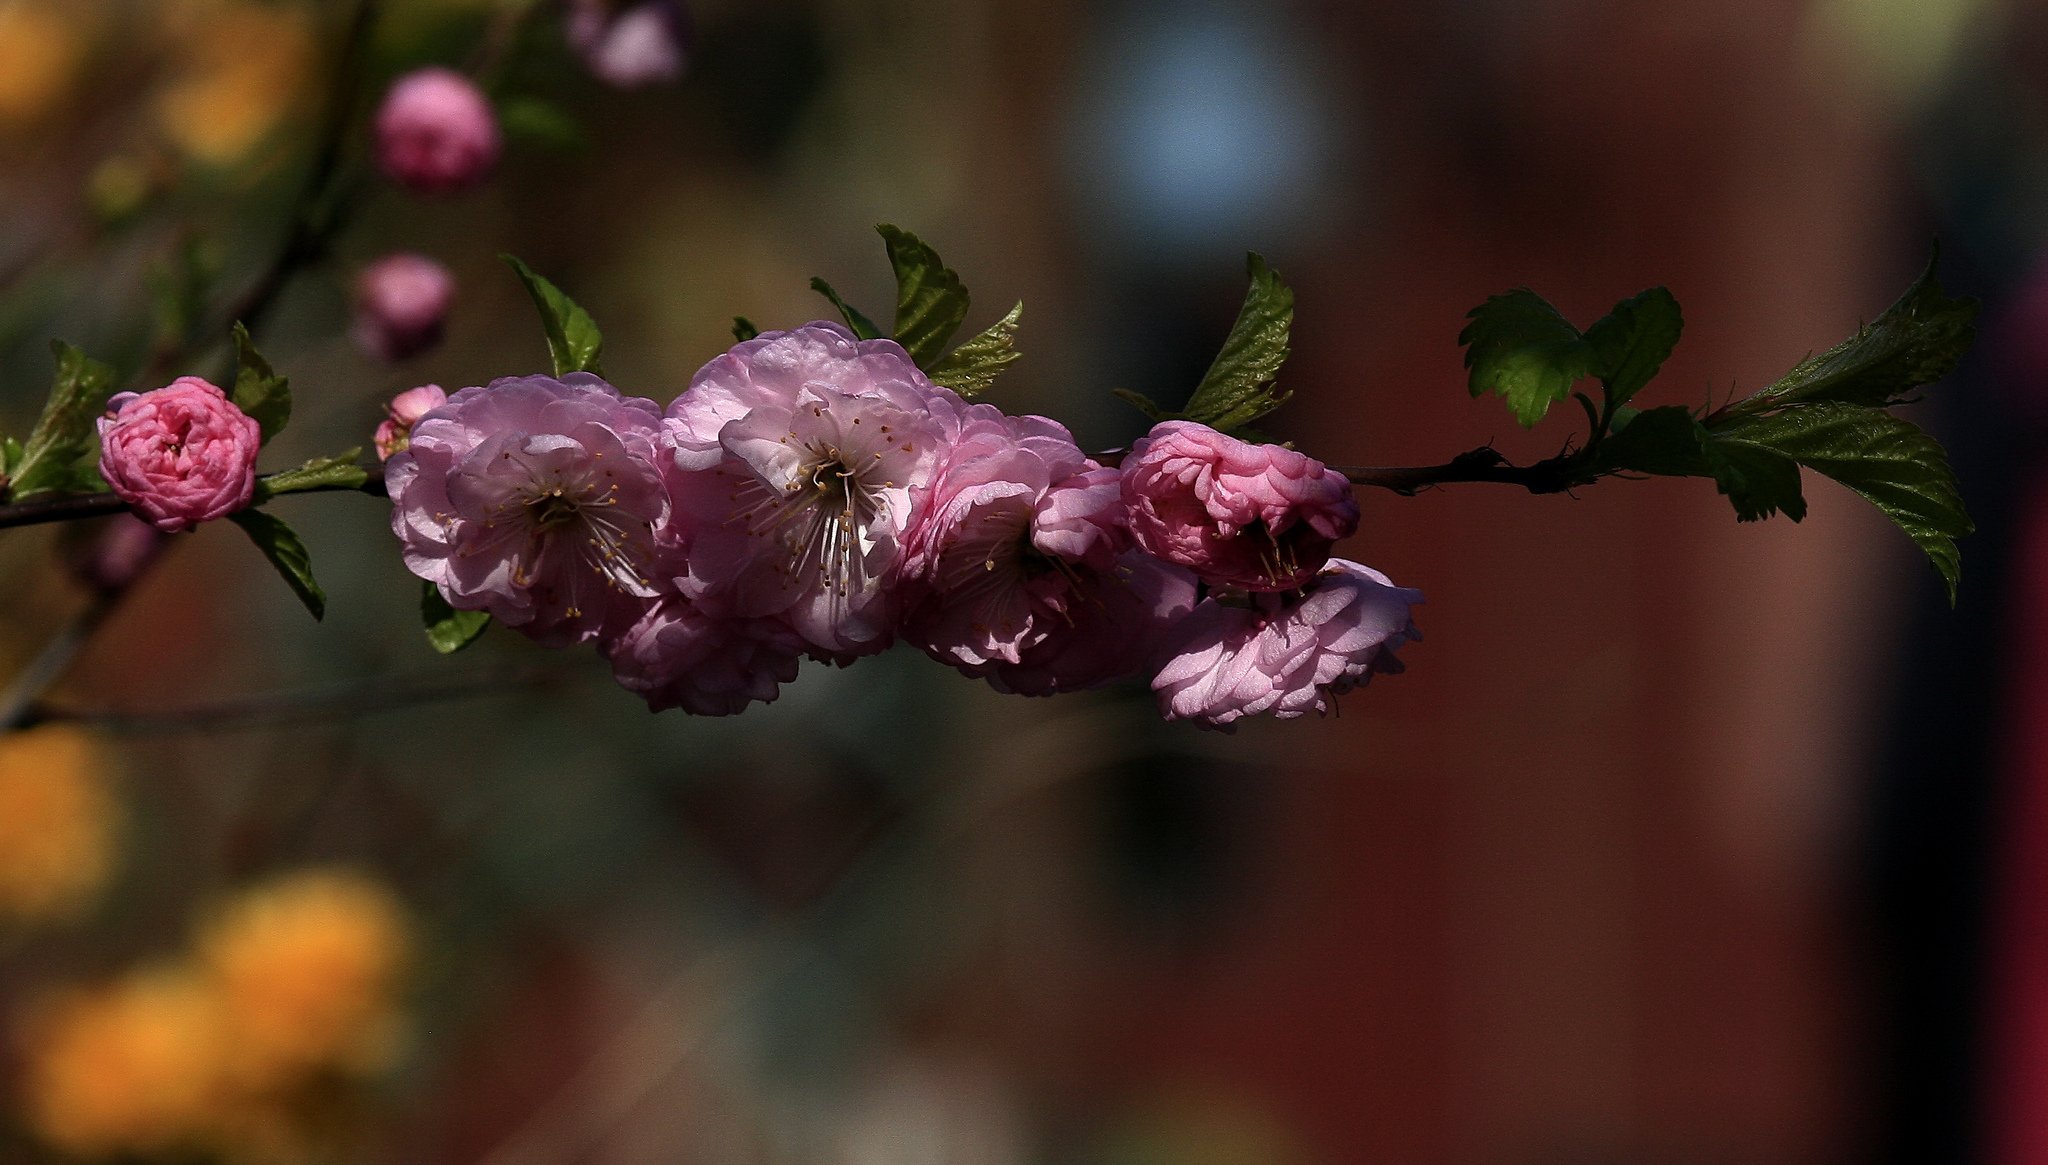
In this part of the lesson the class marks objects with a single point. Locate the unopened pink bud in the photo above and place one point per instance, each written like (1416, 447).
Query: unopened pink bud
(401, 305)
(630, 43)
(436, 133)
(405, 411)
(180, 455)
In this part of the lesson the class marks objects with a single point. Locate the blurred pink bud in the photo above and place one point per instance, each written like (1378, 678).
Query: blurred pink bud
(436, 133)
(179, 455)
(115, 553)
(629, 44)
(401, 303)
(1259, 517)
(405, 411)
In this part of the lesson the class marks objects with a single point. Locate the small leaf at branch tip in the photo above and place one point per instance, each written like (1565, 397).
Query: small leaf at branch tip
(1239, 385)
(931, 302)
(972, 368)
(448, 629)
(281, 545)
(341, 471)
(574, 342)
(58, 454)
(863, 327)
(1517, 345)
(259, 390)
(1632, 342)
(743, 329)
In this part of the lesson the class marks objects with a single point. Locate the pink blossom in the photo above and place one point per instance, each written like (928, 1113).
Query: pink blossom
(1237, 514)
(436, 133)
(1008, 538)
(629, 43)
(401, 304)
(677, 656)
(538, 500)
(1115, 624)
(796, 458)
(1285, 653)
(179, 455)
(394, 433)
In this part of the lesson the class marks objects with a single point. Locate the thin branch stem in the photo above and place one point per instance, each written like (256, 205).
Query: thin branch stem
(73, 507)
(1554, 475)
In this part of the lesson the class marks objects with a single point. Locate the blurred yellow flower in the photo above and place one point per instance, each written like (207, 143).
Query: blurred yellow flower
(241, 69)
(307, 968)
(40, 49)
(57, 822)
(132, 1067)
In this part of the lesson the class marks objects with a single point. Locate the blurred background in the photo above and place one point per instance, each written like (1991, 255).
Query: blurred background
(1680, 841)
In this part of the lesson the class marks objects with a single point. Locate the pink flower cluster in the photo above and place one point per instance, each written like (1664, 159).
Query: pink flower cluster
(812, 495)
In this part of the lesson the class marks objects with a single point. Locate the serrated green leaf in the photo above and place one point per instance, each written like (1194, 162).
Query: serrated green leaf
(448, 629)
(1632, 342)
(973, 367)
(1892, 462)
(1757, 481)
(1917, 341)
(1238, 388)
(1667, 442)
(259, 390)
(64, 436)
(1518, 345)
(931, 303)
(574, 343)
(280, 544)
(339, 471)
(743, 329)
(1143, 404)
(862, 326)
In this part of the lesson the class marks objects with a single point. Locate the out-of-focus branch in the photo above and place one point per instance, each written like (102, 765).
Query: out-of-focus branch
(300, 705)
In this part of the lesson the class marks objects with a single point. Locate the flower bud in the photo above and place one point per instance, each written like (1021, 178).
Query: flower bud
(401, 304)
(179, 455)
(436, 133)
(113, 553)
(405, 411)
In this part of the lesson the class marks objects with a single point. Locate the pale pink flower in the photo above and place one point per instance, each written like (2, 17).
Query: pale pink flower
(401, 305)
(538, 500)
(796, 458)
(630, 43)
(1254, 516)
(1009, 536)
(677, 656)
(436, 133)
(1287, 653)
(1114, 625)
(394, 433)
(179, 455)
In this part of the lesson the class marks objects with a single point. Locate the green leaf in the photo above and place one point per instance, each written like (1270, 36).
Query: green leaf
(540, 122)
(448, 629)
(574, 342)
(64, 435)
(10, 460)
(340, 471)
(1632, 342)
(1238, 388)
(862, 326)
(1758, 481)
(1667, 442)
(1519, 346)
(1893, 463)
(743, 329)
(259, 390)
(931, 303)
(1144, 404)
(973, 367)
(1917, 341)
(281, 545)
